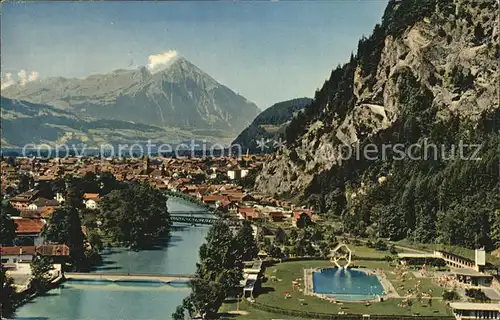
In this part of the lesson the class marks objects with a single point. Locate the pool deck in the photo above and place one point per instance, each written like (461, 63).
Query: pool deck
(390, 291)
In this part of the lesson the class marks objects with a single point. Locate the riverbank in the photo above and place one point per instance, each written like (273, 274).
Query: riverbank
(78, 300)
(193, 200)
(28, 294)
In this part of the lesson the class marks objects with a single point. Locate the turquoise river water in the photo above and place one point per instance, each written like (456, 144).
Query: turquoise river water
(91, 300)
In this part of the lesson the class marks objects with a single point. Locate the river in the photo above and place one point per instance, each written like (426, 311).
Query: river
(88, 300)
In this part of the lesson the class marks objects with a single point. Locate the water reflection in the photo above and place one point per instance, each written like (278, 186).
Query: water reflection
(96, 300)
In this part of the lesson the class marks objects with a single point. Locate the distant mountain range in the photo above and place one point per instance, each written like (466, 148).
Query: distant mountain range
(269, 125)
(177, 103)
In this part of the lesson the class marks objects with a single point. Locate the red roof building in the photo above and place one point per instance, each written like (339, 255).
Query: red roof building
(28, 226)
(277, 216)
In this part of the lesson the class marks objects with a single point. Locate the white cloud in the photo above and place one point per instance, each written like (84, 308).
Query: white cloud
(7, 80)
(22, 78)
(33, 76)
(156, 62)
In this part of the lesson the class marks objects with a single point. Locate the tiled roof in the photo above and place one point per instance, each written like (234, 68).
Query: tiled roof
(32, 214)
(26, 196)
(251, 215)
(25, 225)
(88, 196)
(41, 202)
(246, 210)
(54, 250)
(214, 198)
(11, 251)
(276, 214)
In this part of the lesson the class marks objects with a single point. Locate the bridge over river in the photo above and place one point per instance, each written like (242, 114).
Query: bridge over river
(198, 218)
(193, 220)
(190, 213)
(116, 277)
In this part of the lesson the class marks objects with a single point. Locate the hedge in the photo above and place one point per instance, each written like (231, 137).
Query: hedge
(322, 315)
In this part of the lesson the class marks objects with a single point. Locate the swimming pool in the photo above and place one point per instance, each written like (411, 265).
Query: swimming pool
(347, 285)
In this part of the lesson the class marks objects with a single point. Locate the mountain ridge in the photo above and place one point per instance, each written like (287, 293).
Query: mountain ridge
(270, 125)
(25, 123)
(180, 96)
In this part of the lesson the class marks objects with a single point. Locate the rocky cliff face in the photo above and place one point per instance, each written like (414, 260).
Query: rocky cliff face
(444, 52)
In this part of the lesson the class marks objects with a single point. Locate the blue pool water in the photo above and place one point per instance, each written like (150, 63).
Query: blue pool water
(349, 285)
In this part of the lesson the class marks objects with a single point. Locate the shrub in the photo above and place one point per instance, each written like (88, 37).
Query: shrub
(381, 245)
(392, 249)
(440, 263)
(476, 294)
(450, 295)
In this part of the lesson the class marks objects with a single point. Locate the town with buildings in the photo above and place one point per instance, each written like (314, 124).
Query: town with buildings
(441, 280)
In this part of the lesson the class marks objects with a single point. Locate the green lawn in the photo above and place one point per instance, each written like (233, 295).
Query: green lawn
(360, 252)
(402, 286)
(273, 294)
(252, 313)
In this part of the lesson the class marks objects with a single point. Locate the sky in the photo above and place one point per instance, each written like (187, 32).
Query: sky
(267, 51)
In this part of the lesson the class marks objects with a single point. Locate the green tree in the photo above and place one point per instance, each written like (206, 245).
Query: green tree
(58, 186)
(8, 298)
(136, 216)
(8, 209)
(495, 228)
(74, 193)
(65, 227)
(304, 221)
(218, 272)
(179, 313)
(95, 240)
(392, 223)
(25, 182)
(280, 236)
(275, 252)
(11, 161)
(245, 241)
(221, 254)
(206, 298)
(89, 183)
(7, 228)
(381, 245)
(107, 183)
(40, 267)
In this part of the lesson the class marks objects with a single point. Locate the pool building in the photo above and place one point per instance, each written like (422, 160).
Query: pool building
(469, 310)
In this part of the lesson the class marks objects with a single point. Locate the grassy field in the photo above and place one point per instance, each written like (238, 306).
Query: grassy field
(249, 312)
(360, 252)
(402, 286)
(273, 294)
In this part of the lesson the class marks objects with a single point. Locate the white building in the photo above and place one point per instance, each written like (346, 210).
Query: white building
(237, 174)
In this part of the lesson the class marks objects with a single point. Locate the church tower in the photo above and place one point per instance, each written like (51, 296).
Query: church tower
(145, 165)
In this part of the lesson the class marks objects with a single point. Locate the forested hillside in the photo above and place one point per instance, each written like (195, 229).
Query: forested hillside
(270, 125)
(426, 79)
